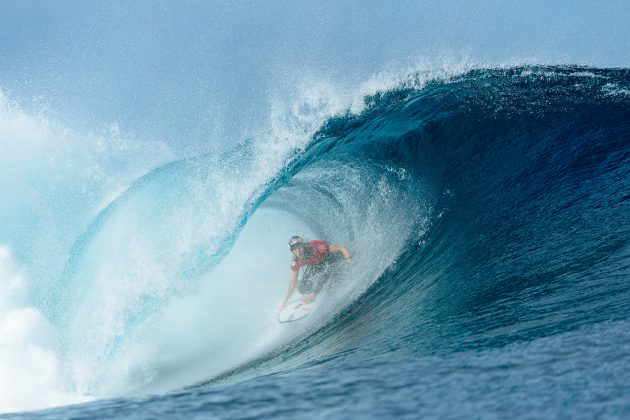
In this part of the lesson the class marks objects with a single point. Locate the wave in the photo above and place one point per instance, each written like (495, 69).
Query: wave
(525, 234)
(481, 208)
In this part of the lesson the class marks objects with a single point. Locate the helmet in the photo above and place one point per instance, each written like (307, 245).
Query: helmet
(295, 242)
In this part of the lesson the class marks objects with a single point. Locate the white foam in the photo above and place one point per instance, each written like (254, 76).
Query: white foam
(30, 372)
(53, 179)
(612, 89)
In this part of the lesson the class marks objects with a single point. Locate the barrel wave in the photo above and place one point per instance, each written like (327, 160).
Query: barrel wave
(487, 213)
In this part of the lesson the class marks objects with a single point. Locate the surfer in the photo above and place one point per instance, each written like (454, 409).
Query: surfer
(321, 261)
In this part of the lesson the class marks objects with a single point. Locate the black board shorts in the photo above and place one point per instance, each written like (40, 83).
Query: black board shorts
(316, 276)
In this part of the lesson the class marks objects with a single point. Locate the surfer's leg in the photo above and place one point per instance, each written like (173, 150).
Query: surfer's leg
(317, 276)
(311, 282)
(329, 271)
(307, 282)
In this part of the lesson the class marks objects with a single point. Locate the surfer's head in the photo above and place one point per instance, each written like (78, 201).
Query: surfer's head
(297, 245)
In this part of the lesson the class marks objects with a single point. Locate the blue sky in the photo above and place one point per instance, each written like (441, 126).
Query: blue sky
(189, 71)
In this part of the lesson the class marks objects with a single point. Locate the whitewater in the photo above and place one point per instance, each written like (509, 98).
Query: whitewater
(486, 209)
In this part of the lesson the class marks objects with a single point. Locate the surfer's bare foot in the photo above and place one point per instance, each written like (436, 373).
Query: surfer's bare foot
(308, 298)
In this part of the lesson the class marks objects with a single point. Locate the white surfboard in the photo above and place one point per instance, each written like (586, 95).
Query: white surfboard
(294, 311)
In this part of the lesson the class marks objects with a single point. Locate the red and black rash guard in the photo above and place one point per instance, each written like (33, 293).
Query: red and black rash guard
(318, 251)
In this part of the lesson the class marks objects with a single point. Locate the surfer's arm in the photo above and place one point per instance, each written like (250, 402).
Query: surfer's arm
(290, 288)
(342, 249)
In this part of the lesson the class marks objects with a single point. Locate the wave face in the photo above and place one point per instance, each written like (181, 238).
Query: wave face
(529, 233)
(487, 214)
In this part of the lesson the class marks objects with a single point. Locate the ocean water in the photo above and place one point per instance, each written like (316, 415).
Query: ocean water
(488, 214)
